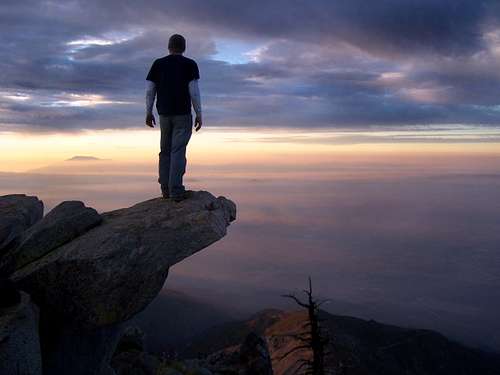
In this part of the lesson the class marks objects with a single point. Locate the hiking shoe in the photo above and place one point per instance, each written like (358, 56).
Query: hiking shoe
(179, 198)
(186, 194)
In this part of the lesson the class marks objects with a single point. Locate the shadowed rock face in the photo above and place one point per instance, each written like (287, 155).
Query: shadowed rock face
(114, 270)
(18, 212)
(254, 356)
(19, 341)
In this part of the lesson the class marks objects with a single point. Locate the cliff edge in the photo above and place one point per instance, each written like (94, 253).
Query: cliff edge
(89, 272)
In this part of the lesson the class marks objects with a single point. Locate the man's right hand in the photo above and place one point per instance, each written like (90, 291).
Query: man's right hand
(150, 120)
(197, 123)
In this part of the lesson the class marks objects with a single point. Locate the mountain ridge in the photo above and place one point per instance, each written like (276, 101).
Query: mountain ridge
(357, 346)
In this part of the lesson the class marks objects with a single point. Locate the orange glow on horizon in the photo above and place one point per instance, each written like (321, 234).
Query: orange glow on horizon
(24, 152)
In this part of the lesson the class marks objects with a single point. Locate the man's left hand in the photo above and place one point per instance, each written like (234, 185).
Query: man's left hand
(197, 123)
(150, 120)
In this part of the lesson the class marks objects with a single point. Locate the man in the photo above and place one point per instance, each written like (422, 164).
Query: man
(173, 79)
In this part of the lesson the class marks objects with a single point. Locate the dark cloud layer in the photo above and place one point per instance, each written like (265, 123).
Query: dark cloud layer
(75, 64)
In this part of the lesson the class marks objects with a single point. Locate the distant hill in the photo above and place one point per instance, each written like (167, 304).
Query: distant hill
(357, 346)
(84, 158)
(178, 324)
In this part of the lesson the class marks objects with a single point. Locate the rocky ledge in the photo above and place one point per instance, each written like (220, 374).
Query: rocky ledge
(87, 272)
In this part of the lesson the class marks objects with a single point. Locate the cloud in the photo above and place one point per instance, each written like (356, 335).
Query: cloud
(72, 65)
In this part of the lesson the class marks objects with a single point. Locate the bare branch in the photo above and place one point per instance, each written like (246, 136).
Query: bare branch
(297, 301)
(313, 338)
(293, 350)
(323, 301)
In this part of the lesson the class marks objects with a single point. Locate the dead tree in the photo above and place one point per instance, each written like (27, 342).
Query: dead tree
(312, 338)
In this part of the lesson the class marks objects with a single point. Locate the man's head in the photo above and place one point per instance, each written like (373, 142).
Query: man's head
(177, 44)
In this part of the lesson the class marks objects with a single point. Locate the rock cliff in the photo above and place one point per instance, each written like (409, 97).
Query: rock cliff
(89, 272)
(18, 212)
(19, 339)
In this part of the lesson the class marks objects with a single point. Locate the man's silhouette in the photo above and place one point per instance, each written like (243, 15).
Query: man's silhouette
(173, 79)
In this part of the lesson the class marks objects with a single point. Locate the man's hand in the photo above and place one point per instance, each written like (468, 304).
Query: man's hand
(197, 123)
(150, 120)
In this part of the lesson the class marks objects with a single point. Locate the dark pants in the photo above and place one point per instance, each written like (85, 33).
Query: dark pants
(175, 135)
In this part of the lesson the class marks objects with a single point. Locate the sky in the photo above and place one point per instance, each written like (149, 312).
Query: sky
(361, 143)
(72, 65)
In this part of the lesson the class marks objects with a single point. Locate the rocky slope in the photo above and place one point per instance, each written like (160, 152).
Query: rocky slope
(357, 347)
(88, 273)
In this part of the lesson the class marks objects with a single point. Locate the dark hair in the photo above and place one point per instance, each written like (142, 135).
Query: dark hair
(177, 43)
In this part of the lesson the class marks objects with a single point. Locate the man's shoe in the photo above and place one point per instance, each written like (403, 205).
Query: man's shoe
(179, 198)
(165, 195)
(186, 194)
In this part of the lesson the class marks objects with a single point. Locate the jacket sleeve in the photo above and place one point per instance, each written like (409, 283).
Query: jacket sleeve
(194, 93)
(150, 96)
